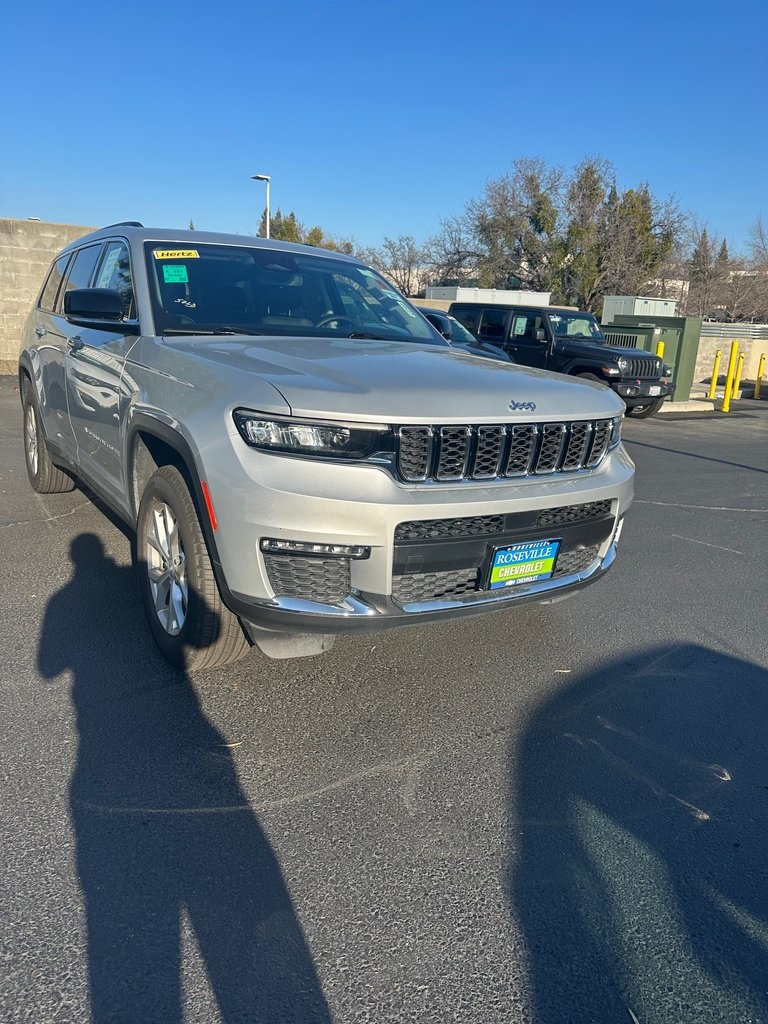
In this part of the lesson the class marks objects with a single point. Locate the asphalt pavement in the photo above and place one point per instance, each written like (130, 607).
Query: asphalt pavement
(553, 814)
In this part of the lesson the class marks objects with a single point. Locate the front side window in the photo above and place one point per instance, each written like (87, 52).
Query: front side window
(524, 327)
(51, 287)
(575, 325)
(81, 271)
(115, 273)
(215, 288)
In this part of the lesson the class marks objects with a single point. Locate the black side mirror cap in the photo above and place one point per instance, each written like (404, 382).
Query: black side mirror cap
(541, 334)
(97, 304)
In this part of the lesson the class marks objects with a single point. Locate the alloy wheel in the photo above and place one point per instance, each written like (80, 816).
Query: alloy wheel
(167, 569)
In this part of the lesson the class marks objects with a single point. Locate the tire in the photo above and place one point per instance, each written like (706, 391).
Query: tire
(188, 620)
(45, 477)
(642, 412)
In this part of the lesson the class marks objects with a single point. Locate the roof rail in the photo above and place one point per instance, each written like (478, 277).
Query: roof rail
(124, 224)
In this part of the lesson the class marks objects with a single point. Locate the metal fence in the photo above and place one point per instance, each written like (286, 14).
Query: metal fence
(755, 332)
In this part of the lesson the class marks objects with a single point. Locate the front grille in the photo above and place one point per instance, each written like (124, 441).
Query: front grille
(315, 579)
(642, 368)
(493, 451)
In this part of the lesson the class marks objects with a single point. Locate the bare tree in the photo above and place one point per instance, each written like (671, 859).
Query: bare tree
(400, 260)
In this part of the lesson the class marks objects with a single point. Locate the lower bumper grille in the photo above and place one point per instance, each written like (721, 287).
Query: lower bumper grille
(415, 588)
(326, 580)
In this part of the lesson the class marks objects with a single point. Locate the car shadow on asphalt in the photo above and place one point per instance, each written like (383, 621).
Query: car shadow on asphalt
(694, 455)
(168, 847)
(640, 796)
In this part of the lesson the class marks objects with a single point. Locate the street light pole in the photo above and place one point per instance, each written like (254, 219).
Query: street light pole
(267, 178)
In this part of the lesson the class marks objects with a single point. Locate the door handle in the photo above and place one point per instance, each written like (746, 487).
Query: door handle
(75, 344)
(40, 331)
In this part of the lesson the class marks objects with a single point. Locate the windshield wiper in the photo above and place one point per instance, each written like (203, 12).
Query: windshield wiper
(212, 332)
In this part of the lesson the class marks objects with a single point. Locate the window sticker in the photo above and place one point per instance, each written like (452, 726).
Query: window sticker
(175, 274)
(177, 254)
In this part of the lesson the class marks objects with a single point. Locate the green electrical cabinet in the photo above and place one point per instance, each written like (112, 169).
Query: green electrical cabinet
(680, 335)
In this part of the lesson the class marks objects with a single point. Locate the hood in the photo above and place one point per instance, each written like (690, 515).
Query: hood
(384, 381)
(597, 349)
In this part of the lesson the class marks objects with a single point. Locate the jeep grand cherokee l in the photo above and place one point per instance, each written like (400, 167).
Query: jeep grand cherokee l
(298, 450)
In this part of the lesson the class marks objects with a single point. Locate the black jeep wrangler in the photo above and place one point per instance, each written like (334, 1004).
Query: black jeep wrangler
(569, 341)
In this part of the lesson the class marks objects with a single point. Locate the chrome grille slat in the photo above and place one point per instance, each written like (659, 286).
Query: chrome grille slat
(522, 445)
(453, 453)
(495, 451)
(553, 437)
(488, 452)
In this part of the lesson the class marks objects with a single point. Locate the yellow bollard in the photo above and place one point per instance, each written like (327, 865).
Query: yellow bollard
(729, 376)
(737, 378)
(759, 378)
(660, 350)
(715, 374)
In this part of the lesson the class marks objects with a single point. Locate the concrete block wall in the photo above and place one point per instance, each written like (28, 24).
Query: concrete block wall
(26, 250)
(751, 348)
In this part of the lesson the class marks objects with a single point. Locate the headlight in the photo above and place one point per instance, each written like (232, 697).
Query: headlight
(666, 371)
(615, 440)
(312, 439)
(623, 364)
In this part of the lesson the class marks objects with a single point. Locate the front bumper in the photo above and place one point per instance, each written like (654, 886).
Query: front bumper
(640, 392)
(418, 568)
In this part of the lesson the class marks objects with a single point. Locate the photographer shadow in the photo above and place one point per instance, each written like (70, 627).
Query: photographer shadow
(638, 795)
(164, 832)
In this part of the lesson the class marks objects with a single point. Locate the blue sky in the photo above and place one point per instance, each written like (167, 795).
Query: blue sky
(378, 118)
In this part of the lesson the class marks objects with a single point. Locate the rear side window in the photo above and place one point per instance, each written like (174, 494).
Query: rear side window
(51, 287)
(492, 323)
(82, 269)
(465, 315)
(115, 273)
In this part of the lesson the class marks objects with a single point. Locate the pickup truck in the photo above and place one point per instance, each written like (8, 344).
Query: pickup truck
(569, 341)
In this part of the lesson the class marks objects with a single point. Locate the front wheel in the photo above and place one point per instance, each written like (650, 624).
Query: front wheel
(642, 412)
(188, 619)
(45, 477)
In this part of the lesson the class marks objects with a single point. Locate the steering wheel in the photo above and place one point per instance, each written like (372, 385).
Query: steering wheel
(336, 318)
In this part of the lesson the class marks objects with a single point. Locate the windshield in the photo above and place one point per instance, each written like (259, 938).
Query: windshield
(575, 325)
(229, 288)
(460, 334)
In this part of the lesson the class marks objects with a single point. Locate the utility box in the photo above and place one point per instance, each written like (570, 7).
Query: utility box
(636, 305)
(680, 335)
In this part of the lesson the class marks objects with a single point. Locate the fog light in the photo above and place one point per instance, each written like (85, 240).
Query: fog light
(302, 547)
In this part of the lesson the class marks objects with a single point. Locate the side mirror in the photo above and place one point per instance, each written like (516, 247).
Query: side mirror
(441, 324)
(103, 305)
(540, 334)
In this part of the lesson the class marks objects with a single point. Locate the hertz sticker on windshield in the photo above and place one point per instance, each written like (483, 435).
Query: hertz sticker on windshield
(177, 254)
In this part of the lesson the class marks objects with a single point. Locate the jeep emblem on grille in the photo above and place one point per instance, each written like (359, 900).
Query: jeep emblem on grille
(522, 406)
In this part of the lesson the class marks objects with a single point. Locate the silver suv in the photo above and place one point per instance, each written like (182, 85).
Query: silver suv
(299, 451)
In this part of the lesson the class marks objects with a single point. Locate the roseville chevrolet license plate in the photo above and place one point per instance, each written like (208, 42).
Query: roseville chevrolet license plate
(523, 563)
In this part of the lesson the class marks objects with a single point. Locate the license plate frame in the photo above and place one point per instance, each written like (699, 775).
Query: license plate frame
(508, 563)
(655, 390)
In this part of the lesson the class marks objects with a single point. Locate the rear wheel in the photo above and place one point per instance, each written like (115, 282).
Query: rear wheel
(188, 619)
(45, 477)
(642, 412)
